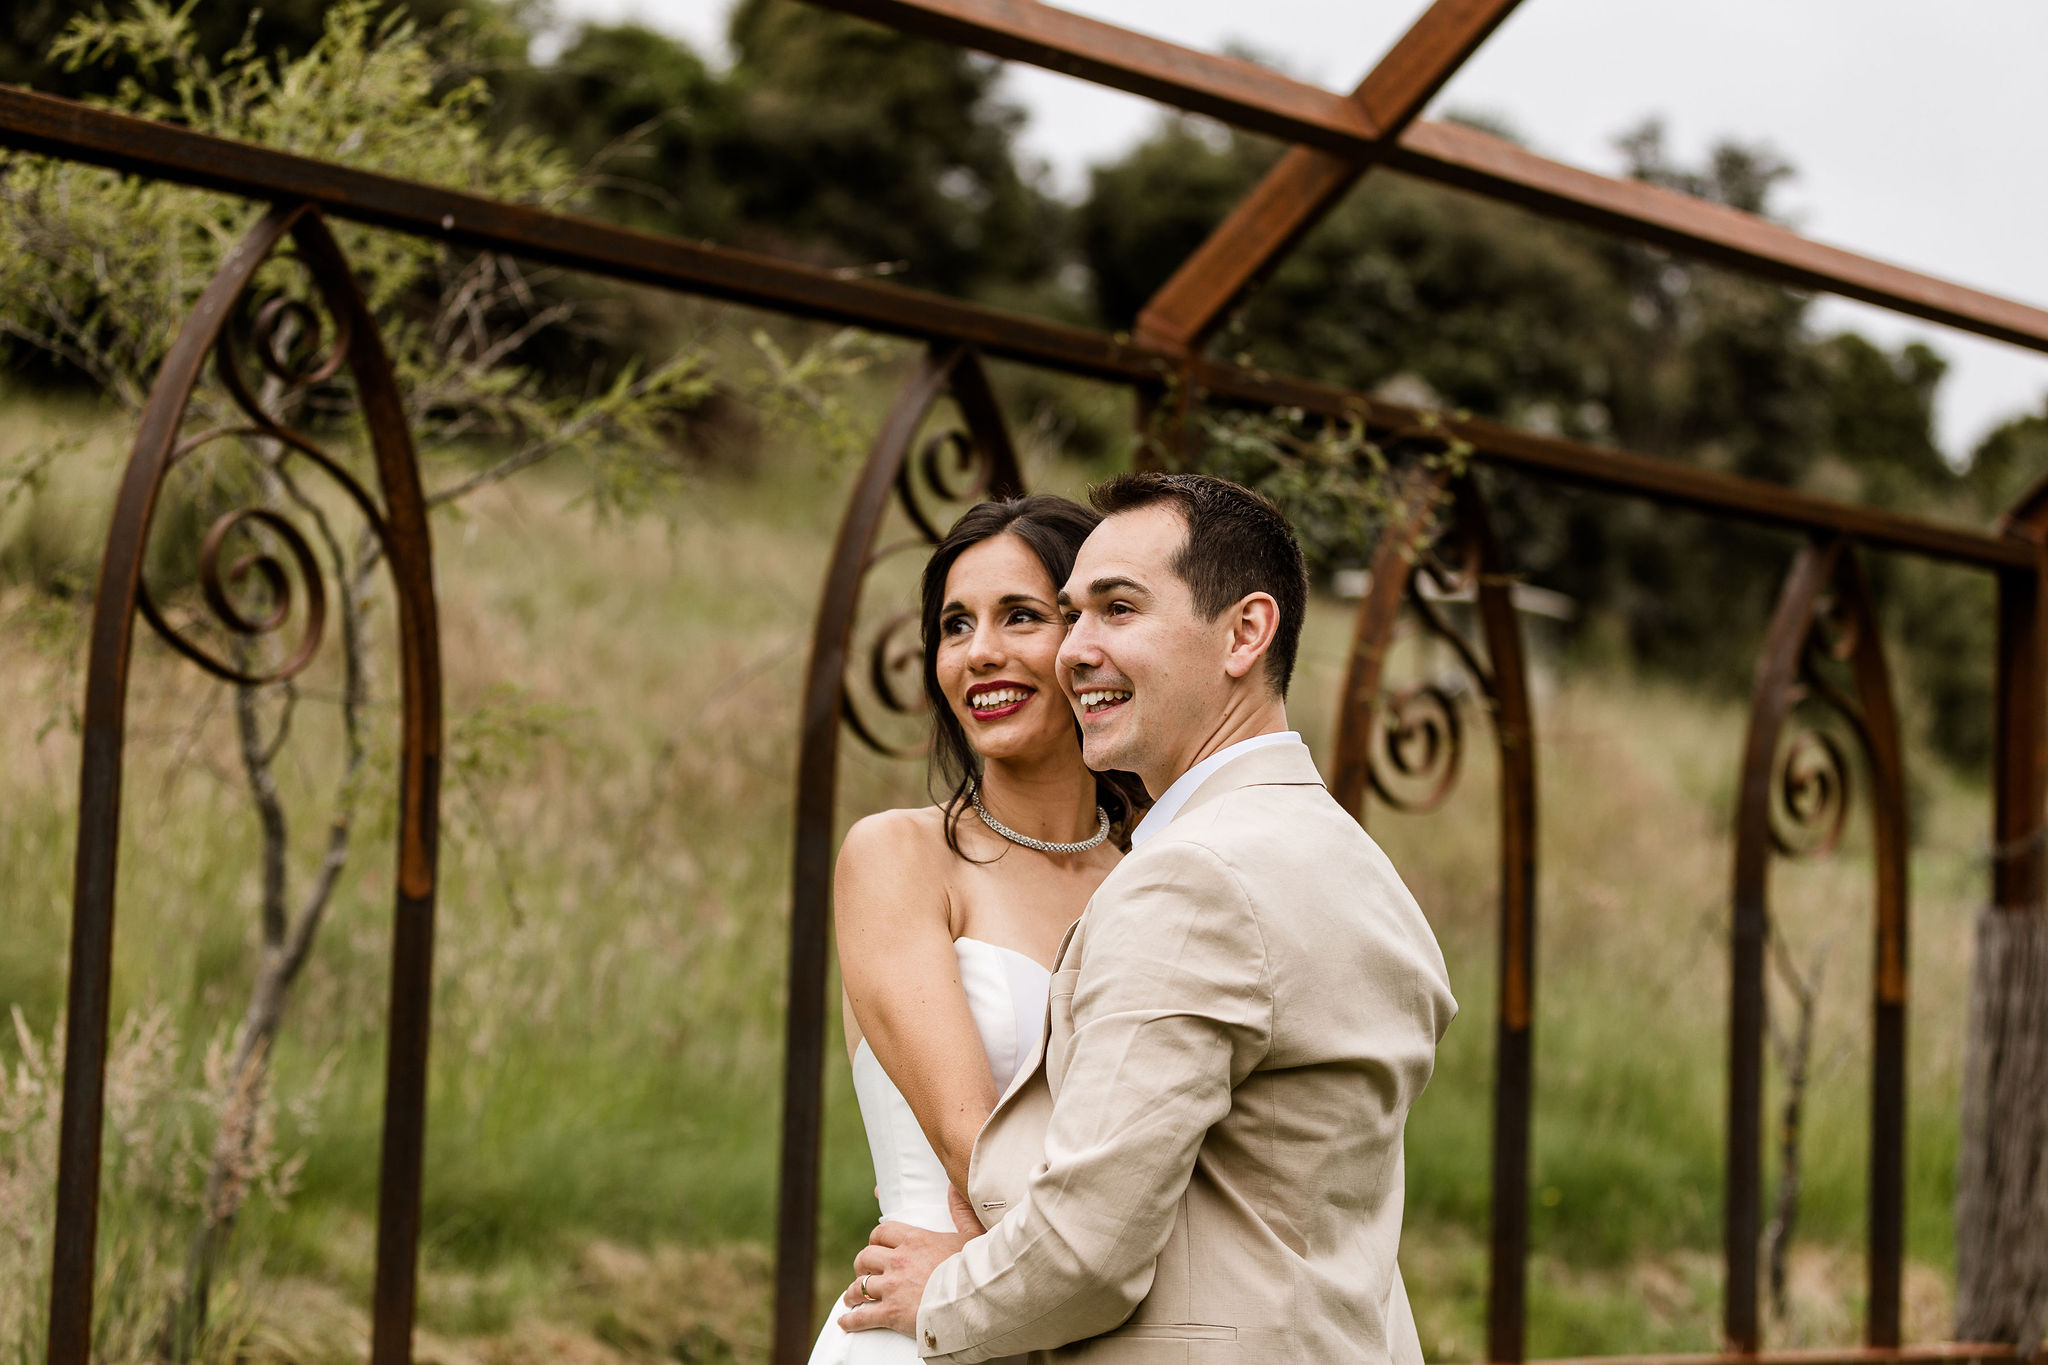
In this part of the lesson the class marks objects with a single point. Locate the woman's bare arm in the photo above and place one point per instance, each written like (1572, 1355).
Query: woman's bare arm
(902, 980)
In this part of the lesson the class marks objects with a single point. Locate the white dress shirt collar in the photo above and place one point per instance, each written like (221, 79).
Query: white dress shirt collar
(1174, 797)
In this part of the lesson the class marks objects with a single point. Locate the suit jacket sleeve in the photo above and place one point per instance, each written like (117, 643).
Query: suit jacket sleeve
(1172, 1008)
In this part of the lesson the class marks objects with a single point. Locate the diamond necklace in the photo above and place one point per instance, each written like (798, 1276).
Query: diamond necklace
(1043, 846)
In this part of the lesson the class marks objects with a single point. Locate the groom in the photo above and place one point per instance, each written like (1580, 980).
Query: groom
(1202, 1162)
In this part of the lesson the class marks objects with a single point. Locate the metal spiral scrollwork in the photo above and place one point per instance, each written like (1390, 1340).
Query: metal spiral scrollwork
(1419, 750)
(870, 683)
(890, 679)
(1822, 675)
(1810, 805)
(950, 468)
(257, 574)
(289, 340)
(1812, 786)
(1405, 745)
(884, 686)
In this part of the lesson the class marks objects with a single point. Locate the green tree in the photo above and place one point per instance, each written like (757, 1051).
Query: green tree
(2007, 462)
(645, 111)
(829, 140)
(1149, 209)
(32, 55)
(860, 147)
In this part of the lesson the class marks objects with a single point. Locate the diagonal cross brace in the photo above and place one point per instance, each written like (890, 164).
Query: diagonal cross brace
(1309, 180)
(1342, 135)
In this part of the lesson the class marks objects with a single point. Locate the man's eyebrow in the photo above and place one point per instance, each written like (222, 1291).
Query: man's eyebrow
(1102, 587)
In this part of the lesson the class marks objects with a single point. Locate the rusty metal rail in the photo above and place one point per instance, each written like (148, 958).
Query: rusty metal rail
(58, 127)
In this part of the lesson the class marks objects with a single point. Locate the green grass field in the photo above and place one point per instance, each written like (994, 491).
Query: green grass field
(600, 1174)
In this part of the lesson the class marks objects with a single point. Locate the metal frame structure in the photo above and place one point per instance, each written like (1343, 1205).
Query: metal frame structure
(1399, 745)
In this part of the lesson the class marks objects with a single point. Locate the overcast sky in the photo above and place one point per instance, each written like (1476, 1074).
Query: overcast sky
(1919, 131)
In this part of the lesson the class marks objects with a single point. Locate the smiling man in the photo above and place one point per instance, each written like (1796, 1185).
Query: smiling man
(1203, 1161)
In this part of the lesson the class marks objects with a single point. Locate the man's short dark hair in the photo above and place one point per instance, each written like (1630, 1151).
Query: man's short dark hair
(1238, 543)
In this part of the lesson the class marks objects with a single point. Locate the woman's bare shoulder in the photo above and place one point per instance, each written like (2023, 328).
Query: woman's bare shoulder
(910, 842)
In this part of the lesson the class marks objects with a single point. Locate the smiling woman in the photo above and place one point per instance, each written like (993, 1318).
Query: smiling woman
(1023, 541)
(950, 915)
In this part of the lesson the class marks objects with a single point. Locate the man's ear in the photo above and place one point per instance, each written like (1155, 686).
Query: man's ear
(1253, 624)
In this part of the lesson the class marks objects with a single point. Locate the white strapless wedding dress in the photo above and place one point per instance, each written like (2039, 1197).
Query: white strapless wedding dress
(1006, 993)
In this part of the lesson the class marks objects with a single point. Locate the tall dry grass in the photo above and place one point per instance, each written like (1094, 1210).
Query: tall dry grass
(622, 700)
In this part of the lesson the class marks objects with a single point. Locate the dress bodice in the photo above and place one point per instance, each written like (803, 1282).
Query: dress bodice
(1006, 993)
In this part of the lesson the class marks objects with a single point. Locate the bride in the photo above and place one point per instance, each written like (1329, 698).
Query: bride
(949, 915)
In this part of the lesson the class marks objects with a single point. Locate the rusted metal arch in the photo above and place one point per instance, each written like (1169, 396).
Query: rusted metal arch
(401, 527)
(1416, 731)
(57, 127)
(901, 471)
(1793, 799)
(1268, 102)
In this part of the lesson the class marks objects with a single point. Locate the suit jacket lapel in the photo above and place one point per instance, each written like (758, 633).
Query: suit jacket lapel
(1034, 1061)
(1066, 940)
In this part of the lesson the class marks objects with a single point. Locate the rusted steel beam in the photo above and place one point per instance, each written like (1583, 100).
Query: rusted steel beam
(1311, 178)
(1460, 157)
(57, 127)
(1617, 471)
(1468, 159)
(1243, 94)
(1514, 1086)
(163, 151)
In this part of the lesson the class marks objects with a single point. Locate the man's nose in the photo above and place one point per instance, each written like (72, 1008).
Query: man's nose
(1078, 649)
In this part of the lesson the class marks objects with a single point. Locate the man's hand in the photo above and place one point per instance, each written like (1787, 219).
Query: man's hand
(892, 1269)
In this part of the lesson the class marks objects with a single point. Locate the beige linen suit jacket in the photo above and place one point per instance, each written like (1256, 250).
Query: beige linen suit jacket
(1202, 1163)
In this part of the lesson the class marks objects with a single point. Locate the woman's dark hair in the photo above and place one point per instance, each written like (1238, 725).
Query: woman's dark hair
(1054, 528)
